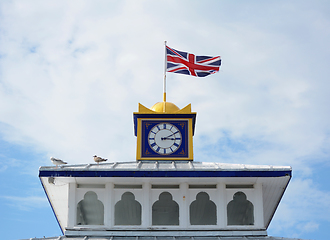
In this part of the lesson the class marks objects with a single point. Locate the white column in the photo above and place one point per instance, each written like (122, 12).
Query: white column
(146, 205)
(221, 205)
(109, 205)
(184, 205)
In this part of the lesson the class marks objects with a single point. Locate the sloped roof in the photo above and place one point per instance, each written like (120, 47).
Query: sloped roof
(165, 169)
(166, 238)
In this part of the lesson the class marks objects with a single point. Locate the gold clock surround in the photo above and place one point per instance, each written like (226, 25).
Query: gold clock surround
(164, 113)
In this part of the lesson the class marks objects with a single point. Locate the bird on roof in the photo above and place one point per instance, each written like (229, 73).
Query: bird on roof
(57, 161)
(99, 159)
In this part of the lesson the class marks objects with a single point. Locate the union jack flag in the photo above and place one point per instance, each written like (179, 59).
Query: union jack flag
(189, 64)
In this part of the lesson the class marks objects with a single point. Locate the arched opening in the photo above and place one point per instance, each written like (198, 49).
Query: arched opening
(203, 211)
(165, 211)
(90, 210)
(128, 210)
(240, 211)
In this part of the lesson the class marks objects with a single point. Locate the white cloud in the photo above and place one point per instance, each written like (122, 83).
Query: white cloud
(302, 208)
(26, 203)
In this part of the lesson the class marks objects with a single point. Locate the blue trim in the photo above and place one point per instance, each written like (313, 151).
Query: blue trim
(164, 117)
(52, 207)
(45, 173)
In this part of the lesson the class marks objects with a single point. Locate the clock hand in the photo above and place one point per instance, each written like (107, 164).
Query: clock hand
(167, 138)
(172, 134)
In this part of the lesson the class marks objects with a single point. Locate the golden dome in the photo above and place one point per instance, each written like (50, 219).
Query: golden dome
(165, 107)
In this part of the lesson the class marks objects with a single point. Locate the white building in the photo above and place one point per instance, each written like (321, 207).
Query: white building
(164, 194)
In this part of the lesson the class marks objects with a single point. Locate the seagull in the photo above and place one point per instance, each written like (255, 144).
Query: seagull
(99, 159)
(57, 161)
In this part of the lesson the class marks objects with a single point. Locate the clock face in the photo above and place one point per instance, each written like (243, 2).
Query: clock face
(164, 138)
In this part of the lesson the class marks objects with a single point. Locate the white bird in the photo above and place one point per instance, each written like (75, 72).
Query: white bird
(57, 161)
(99, 159)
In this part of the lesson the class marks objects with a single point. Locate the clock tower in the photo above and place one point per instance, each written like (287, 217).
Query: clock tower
(164, 194)
(164, 132)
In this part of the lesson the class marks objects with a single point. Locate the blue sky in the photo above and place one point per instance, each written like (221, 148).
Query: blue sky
(72, 73)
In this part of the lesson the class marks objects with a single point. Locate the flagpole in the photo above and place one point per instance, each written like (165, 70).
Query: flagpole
(165, 68)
